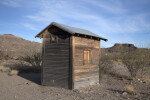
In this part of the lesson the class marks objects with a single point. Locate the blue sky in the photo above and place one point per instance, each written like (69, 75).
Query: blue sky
(120, 21)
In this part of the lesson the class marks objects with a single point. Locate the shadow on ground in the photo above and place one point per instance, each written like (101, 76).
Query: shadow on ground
(33, 77)
(116, 91)
(146, 95)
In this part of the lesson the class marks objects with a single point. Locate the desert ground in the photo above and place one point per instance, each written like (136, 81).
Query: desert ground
(26, 86)
(20, 78)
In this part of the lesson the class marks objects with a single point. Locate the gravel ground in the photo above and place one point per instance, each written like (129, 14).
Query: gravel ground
(27, 87)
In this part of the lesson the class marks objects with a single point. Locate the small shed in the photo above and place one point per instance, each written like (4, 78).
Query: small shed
(70, 56)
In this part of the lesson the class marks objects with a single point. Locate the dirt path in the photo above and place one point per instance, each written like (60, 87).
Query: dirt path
(20, 88)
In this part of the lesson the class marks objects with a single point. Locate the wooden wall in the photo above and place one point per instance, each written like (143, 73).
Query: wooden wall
(85, 74)
(63, 60)
(56, 58)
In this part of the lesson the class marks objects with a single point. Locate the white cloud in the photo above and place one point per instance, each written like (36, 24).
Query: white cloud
(29, 26)
(117, 18)
(11, 3)
(78, 14)
(110, 6)
(103, 17)
(52, 10)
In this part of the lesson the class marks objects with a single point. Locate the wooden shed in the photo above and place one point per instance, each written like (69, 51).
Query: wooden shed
(71, 56)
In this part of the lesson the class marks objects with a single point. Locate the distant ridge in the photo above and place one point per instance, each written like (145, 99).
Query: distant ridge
(120, 47)
(16, 46)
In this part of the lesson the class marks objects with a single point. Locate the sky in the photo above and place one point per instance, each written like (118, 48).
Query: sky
(120, 21)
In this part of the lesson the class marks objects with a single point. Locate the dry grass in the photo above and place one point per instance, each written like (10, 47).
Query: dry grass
(4, 69)
(146, 78)
(136, 61)
(118, 62)
(13, 72)
(8, 70)
(129, 89)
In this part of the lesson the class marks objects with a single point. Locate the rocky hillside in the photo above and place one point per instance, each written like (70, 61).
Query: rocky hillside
(120, 47)
(14, 46)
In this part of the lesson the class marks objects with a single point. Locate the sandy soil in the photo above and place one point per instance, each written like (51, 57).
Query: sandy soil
(27, 87)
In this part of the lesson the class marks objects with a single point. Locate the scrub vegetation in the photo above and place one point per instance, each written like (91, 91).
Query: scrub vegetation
(124, 73)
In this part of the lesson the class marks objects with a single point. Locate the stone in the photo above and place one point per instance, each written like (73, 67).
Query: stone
(26, 83)
(144, 81)
(117, 94)
(124, 93)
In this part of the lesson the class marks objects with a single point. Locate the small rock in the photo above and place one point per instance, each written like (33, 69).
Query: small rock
(80, 91)
(144, 81)
(104, 95)
(27, 83)
(124, 93)
(136, 96)
(138, 79)
(15, 96)
(117, 94)
(97, 83)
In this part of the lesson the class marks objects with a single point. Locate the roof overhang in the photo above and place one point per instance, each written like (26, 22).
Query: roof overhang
(65, 29)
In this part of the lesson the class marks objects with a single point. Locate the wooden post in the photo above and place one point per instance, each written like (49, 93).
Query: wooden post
(43, 51)
(99, 62)
(72, 57)
(73, 54)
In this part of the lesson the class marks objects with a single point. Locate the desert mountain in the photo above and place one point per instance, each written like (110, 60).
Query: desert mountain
(120, 47)
(16, 46)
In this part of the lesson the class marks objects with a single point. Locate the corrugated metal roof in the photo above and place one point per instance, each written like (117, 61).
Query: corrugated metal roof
(73, 30)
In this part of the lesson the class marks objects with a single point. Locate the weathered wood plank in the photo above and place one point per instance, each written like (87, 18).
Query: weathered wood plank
(86, 75)
(79, 84)
(87, 78)
(73, 60)
(87, 67)
(51, 63)
(56, 59)
(83, 71)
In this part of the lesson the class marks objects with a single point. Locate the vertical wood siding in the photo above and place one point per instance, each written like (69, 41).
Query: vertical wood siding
(86, 74)
(56, 58)
(63, 60)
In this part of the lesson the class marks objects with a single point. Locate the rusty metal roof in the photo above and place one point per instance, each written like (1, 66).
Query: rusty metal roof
(72, 30)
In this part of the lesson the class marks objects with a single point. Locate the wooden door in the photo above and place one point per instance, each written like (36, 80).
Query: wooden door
(86, 56)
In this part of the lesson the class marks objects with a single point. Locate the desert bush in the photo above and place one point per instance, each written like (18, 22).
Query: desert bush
(3, 56)
(35, 59)
(135, 61)
(4, 69)
(106, 63)
(20, 65)
(13, 72)
(129, 89)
